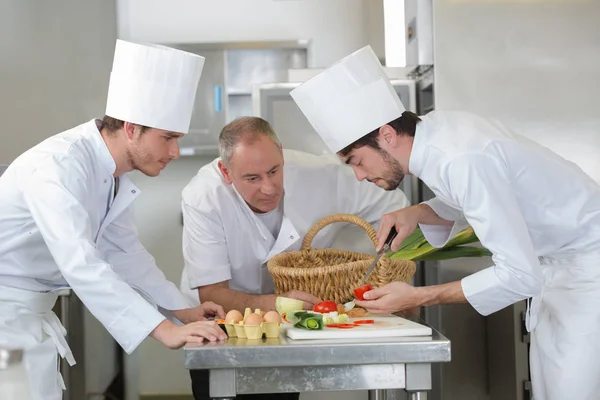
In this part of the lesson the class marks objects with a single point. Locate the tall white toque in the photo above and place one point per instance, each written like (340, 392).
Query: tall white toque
(153, 86)
(349, 99)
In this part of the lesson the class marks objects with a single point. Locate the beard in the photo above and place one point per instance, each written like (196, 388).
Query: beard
(394, 174)
(141, 161)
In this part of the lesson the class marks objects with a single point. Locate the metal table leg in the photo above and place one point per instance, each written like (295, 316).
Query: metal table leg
(417, 395)
(222, 384)
(378, 394)
(418, 381)
(389, 394)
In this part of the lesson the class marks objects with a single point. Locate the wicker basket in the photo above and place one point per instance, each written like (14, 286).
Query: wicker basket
(332, 274)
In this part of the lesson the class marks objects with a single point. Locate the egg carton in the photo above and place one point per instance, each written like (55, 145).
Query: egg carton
(240, 330)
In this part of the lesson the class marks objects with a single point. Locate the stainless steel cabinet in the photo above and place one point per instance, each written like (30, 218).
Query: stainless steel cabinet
(225, 89)
(209, 113)
(273, 102)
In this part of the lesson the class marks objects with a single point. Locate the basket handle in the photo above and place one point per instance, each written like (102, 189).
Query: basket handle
(323, 222)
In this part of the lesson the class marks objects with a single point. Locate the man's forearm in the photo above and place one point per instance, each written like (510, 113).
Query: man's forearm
(448, 293)
(234, 300)
(428, 217)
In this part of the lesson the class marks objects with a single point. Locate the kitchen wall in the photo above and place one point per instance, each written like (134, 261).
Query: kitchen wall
(533, 65)
(54, 67)
(334, 28)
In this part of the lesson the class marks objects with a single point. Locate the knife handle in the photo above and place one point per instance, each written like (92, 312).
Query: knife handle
(391, 236)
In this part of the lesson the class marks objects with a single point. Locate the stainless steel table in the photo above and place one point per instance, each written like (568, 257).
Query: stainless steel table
(242, 366)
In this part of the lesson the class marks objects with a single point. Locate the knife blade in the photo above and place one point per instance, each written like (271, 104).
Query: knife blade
(391, 236)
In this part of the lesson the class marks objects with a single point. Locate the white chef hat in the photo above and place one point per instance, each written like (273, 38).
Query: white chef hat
(349, 99)
(153, 85)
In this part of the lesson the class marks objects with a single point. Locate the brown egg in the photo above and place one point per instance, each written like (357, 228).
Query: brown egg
(253, 320)
(272, 316)
(233, 317)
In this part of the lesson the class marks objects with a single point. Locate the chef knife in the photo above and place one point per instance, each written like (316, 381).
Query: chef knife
(388, 242)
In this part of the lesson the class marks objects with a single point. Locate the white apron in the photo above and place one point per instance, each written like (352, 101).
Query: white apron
(564, 321)
(28, 322)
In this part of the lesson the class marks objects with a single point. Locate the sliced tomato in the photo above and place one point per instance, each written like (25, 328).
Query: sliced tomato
(364, 322)
(325, 307)
(346, 326)
(360, 291)
(332, 325)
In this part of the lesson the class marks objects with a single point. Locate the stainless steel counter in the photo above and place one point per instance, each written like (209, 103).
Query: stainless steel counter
(241, 366)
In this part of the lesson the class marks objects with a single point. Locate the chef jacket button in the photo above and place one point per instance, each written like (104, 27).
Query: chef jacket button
(106, 180)
(133, 191)
(291, 236)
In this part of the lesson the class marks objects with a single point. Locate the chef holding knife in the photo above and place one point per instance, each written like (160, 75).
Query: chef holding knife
(66, 221)
(545, 238)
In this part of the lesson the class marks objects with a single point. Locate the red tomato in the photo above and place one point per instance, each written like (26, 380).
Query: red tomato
(325, 306)
(346, 326)
(364, 322)
(360, 291)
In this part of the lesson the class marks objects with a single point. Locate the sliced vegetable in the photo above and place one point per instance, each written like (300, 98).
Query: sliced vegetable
(307, 320)
(360, 291)
(346, 326)
(335, 318)
(364, 322)
(287, 305)
(325, 306)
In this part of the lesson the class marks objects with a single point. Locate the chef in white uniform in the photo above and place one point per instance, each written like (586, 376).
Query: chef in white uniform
(256, 201)
(538, 213)
(66, 221)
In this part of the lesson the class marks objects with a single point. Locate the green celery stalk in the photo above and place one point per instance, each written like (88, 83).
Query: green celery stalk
(455, 252)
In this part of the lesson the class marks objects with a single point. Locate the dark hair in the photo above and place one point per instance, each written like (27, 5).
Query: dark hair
(406, 124)
(233, 132)
(111, 125)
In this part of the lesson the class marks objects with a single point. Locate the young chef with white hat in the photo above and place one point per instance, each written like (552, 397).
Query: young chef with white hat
(545, 238)
(66, 220)
(258, 200)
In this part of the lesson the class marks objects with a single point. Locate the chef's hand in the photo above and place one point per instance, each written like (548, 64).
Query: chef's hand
(404, 220)
(391, 298)
(308, 299)
(206, 310)
(175, 336)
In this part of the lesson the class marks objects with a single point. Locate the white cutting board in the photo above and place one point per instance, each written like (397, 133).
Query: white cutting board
(384, 326)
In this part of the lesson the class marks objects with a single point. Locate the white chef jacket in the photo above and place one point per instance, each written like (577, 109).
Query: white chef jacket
(61, 227)
(522, 200)
(223, 240)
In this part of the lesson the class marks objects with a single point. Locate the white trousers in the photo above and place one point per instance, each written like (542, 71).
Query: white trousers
(27, 322)
(564, 322)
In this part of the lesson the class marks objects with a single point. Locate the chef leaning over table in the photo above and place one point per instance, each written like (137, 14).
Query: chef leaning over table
(66, 220)
(536, 212)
